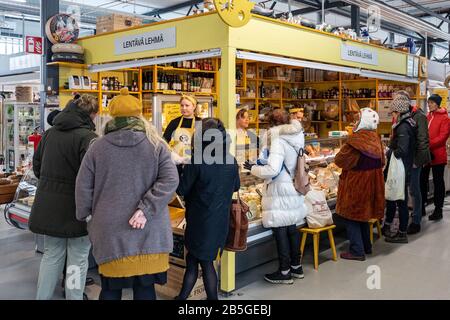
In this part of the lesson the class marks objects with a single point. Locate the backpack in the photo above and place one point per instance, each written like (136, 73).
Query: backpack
(301, 177)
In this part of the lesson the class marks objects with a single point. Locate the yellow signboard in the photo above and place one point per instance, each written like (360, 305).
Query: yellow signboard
(170, 111)
(443, 92)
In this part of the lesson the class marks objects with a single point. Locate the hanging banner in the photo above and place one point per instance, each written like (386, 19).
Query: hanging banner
(360, 55)
(155, 40)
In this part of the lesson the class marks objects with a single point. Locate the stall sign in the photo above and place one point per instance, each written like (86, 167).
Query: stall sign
(155, 40)
(171, 111)
(33, 45)
(360, 55)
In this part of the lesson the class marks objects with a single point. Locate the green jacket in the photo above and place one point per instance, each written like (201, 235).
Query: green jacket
(422, 155)
(56, 163)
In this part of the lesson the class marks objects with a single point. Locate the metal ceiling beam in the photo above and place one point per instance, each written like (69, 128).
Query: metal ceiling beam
(426, 10)
(384, 25)
(173, 8)
(317, 8)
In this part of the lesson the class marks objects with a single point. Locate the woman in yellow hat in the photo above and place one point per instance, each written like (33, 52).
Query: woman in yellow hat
(180, 130)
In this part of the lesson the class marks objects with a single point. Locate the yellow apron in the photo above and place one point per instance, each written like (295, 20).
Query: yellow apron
(242, 146)
(182, 139)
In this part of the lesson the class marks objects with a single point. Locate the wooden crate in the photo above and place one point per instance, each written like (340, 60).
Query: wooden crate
(116, 22)
(175, 281)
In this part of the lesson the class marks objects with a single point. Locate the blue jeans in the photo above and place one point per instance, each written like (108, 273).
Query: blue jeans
(358, 234)
(52, 265)
(414, 187)
(288, 246)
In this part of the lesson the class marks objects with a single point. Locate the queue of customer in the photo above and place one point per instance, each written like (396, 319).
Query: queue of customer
(131, 232)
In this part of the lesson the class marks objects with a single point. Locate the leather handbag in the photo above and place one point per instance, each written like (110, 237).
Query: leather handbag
(238, 227)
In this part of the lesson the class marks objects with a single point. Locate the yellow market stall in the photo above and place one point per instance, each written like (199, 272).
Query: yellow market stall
(262, 64)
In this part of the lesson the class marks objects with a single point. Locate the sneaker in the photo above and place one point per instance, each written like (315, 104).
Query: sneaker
(297, 273)
(349, 256)
(436, 216)
(278, 278)
(413, 228)
(399, 237)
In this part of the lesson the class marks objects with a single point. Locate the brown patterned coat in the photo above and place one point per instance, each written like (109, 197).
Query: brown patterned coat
(361, 184)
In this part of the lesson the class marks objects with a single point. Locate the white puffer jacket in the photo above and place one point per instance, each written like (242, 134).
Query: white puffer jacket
(282, 205)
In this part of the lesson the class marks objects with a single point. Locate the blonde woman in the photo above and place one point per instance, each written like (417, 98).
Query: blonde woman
(180, 130)
(124, 186)
(56, 163)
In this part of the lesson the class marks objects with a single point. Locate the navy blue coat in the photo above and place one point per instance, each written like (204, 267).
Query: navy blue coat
(208, 191)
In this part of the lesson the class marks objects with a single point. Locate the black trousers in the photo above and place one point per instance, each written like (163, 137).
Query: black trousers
(439, 185)
(288, 246)
(358, 234)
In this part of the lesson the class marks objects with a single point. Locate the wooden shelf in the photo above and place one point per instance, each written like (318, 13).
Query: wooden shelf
(68, 65)
(317, 82)
(245, 98)
(118, 92)
(183, 70)
(360, 80)
(359, 99)
(78, 90)
(173, 92)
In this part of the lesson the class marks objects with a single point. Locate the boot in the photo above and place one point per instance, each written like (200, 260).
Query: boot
(399, 237)
(436, 216)
(413, 228)
(386, 230)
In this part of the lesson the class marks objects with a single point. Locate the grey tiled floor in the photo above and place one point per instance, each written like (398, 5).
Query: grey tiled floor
(418, 270)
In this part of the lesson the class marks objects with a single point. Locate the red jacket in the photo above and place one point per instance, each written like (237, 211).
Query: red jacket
(439, 128)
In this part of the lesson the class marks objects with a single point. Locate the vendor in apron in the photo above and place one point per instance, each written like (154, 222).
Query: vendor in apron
(247, 142)
(180, 130)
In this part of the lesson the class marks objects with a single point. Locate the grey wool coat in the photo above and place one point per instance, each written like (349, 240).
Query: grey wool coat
(121, 173)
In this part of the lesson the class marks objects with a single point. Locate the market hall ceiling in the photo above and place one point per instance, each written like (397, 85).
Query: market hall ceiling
(152, 10)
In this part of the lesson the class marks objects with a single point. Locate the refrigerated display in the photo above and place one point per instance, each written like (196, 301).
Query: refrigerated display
(20, 120)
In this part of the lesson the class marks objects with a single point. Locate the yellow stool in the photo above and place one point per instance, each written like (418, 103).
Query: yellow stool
(377, 223)
(316, 237)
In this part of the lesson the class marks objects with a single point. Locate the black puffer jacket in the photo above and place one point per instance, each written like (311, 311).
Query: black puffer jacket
(56, 164)
(403, 142)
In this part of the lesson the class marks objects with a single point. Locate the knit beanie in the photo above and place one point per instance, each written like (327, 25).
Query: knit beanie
(125, 105)
(436, 98)
(400, 104)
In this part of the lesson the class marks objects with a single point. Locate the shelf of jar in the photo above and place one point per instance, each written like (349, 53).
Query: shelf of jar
(317, 99)
(174, 92)
(78, 90)
(412, 98)
(118, 92)
(359, 99)
(181, 69)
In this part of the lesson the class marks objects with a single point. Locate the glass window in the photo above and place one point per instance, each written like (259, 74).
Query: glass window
(10, 45)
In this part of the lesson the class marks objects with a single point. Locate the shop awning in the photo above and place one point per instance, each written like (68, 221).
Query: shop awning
(322, 66)
(153, 61)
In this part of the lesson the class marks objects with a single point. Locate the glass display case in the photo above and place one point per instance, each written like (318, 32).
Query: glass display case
(20, 121)
(324, 175)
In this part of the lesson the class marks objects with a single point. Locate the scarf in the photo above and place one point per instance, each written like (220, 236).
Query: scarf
(125, 123)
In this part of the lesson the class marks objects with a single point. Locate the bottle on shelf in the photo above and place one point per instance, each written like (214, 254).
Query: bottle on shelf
(262, 90)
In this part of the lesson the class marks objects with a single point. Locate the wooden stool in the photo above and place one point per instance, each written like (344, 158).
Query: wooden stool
(316, 237)
(371, 223)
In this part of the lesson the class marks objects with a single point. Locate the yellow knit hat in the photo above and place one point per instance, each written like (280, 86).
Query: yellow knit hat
(125, 105)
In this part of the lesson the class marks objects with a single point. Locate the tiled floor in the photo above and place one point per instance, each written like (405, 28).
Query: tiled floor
(418, 270)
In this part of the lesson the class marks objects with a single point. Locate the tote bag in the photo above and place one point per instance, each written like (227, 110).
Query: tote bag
(237, 232)
(319, 214)
(395, 182)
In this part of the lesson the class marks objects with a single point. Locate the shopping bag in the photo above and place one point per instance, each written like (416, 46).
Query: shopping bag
(395, 182)
(318, 213)
(238, 228)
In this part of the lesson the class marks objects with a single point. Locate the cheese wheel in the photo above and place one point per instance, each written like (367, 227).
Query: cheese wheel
(62, 28)
(67, 48)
